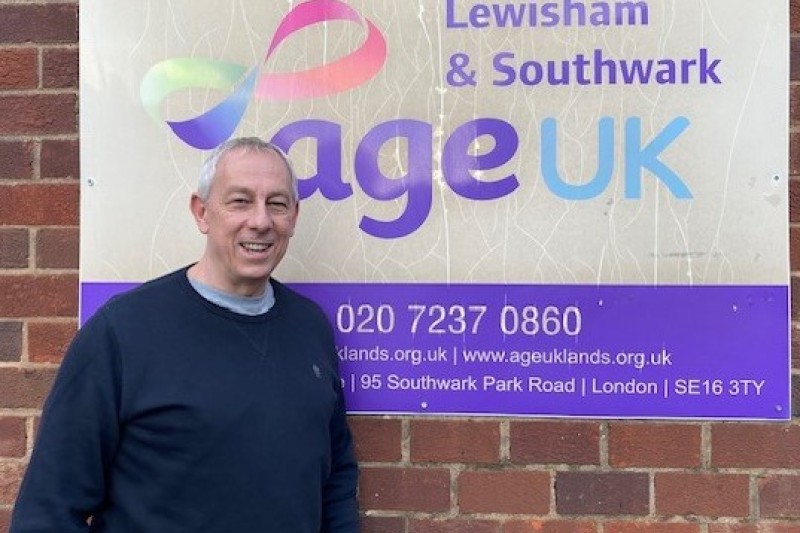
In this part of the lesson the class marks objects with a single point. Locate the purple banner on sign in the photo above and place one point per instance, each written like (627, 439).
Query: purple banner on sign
(703, 352)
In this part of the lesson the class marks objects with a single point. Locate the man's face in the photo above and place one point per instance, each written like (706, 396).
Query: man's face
(248, 219)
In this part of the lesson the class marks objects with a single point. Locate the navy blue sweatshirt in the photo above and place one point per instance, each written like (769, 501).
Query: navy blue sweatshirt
(171, 414)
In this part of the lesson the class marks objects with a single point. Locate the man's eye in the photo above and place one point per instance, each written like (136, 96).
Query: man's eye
(278, 206)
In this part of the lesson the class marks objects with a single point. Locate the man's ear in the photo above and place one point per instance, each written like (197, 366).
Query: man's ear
(198, 208)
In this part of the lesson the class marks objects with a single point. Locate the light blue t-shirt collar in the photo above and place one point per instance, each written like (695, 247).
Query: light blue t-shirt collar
(244, 305)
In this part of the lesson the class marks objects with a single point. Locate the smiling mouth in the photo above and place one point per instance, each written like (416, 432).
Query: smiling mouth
(256, 247)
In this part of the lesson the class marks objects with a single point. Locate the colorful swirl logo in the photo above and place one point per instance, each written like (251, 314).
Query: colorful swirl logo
(215, 126)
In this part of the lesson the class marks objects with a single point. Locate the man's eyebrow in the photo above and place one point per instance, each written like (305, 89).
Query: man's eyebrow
(238, 189)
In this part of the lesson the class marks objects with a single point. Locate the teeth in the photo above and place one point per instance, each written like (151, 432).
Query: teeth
(255, 246)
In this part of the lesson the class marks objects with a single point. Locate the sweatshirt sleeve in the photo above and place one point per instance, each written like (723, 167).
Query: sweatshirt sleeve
(65, 482)
(339, 503)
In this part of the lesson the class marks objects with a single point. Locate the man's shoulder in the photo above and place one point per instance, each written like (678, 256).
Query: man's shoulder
(291, 300)
(287, 293)
(153, 294)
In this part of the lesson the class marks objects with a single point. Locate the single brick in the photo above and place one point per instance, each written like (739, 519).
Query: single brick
(377, 439)
(755, 446)
(48, 341)
(382, 524)
(794, 104)
(16, 160)
(39, 114)
(26, 388)
(39, 296)
(509, 491)
(13, 440)
(549, 526)
(39, 204)
(455, 441)
(795, 298)
(794, 16)
(794, 199)
(779, 496)
(602, 493)
(709, 495)
(39, 23)
(5, 519)
(794, 162)
(60, 159)
(761, 527)
(794, 254)
(651, 527)
(57, 248)
(796, 340)
(405, 489)
(10, 478)
(10, 340)
(454, 526)
(794, 57)
(654, 445)
(18, 68)
(14, 248)
(555, 442)
(60, 68)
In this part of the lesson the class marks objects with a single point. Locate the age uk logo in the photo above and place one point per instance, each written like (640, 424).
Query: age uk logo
(216, 125)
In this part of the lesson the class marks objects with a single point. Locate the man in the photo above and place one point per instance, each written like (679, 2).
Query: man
(207, 400)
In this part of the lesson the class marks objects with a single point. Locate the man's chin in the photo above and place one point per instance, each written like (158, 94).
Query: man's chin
(255, 275)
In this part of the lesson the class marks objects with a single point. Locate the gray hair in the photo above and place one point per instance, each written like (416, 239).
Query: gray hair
(248, 144)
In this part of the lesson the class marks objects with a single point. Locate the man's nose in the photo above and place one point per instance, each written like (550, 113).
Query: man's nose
(260, 217)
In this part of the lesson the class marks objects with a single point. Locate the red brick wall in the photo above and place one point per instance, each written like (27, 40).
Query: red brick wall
(418, 476)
